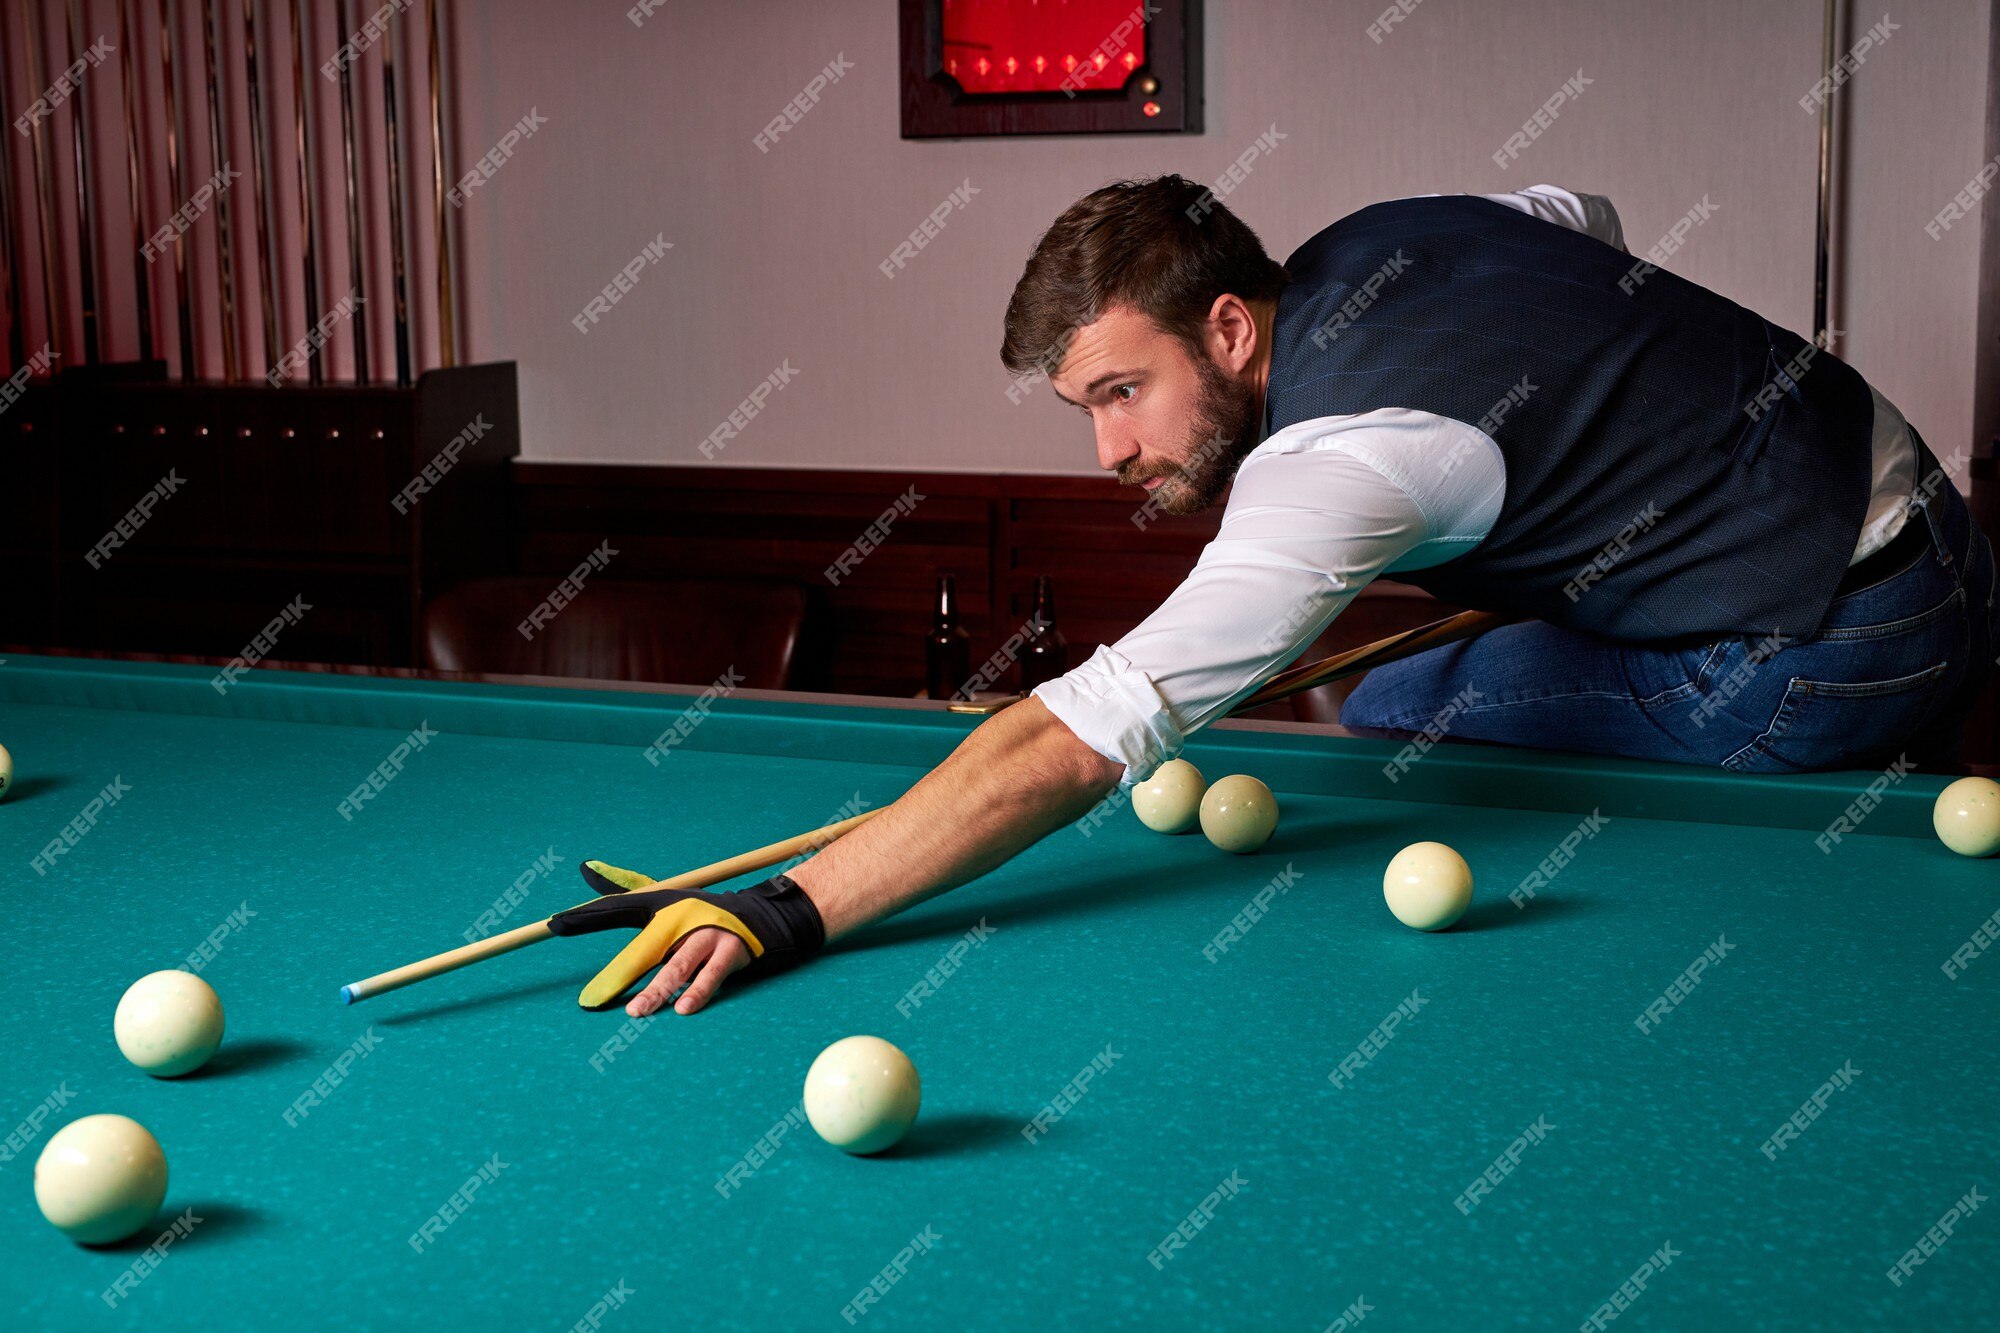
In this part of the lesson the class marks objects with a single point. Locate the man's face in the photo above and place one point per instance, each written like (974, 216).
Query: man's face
(1165, 419)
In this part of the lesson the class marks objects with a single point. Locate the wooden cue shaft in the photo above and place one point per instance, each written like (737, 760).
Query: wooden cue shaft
(11, 252)
(1452, 629)
(142, 287)
(447, 325)
(399, 296)
(183, 302)
(226, 263)
(303, 147)
(520, 937)
(261, 192)
(86, 231)
(357, 277)
(55, 291)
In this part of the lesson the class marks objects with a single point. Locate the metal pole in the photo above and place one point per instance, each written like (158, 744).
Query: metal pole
(260, 190)
(356, 276)
(447, 323)
(1822, 334)
(185, 312)
(142, 287)
(231, 367)
(303, 142)
(396, 271)
(79, 139)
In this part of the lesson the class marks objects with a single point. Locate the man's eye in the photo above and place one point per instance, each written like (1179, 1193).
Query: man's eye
(1126, 392)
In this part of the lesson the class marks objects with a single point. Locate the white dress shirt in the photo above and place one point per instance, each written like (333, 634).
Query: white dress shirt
(1316, 512)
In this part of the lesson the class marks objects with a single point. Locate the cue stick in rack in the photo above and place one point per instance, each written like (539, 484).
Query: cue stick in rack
(302, 137)
(142, 290)
(506, 942)
(648, 949)
(400, 295)
(184, 312)
(227, 263)
(260, 191)
(447, 327)
(357, 279)
(45, 186)
(10, 252)
(79, 141)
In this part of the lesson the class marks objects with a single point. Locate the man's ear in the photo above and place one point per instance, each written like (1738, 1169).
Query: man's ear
(1232, 332)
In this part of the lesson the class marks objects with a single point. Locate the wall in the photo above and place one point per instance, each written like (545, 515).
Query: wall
(775, 254)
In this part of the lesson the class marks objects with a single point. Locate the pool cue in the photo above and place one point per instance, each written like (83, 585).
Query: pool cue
(1452, 629)
(357, 279)
(534, 933)
(79, 140)
(260, 191)
(142, 288)
(396, 273)
(227, 263)
(184, 305)
(649, 948)
(10, 252)
(301, 134)
(45, 190)
(447, 334)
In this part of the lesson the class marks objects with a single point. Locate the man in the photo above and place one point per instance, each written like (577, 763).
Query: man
(1725, 547)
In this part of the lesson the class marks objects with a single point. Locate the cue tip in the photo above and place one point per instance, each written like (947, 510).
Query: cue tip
(348, 995)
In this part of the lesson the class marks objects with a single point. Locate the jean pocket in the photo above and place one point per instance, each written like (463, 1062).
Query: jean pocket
(1822, 724)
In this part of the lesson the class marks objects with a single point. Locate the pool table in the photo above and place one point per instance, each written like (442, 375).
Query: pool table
(1690, 1061)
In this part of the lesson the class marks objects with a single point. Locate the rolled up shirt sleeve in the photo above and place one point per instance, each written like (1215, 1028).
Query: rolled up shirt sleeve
(1312, 519)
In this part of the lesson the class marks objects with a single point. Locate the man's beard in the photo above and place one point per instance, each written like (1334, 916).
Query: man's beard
(1227, 422)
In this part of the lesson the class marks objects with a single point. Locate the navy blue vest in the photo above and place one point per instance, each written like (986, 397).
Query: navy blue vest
(1678, 467)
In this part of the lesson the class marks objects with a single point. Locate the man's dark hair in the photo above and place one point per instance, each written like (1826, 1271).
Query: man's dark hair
(1166, 247)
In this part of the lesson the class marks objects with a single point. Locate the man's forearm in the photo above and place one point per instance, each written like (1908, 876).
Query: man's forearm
(1016, 779)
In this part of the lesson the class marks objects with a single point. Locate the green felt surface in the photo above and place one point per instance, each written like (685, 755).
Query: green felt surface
(610, 1167)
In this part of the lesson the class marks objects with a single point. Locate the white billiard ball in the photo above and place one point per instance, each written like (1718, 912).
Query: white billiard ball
(862, 1094)
(168, 1023)
(1170, 800)
(100, 1179)
(6, 772)
(1239, 814)
(1428, 886)
(1967, 816)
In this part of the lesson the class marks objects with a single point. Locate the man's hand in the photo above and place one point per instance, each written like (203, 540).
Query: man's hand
(702, 961)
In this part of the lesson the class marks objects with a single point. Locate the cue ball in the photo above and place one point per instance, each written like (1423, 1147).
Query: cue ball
(1428, 886)
(100, 1179)
(6, 772)
(1239, 814)
(1170, 800)
(862, 1094)
(168, 1023)
(1967, 816)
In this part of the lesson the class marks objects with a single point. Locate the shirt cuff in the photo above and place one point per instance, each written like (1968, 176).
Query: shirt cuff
(1114, 708)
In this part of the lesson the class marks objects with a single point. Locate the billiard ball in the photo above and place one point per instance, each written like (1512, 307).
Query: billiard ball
(862, 1094)
(1427, 885)
(1170, 800)
(1239, 814)
(168, 1023)
(100, 1179)
(6, 772)
(1967, 816)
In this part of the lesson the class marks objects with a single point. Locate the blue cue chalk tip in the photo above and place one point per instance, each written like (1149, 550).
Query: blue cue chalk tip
(347, 995)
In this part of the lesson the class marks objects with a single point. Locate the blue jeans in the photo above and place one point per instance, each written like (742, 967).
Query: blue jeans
(1893, 669)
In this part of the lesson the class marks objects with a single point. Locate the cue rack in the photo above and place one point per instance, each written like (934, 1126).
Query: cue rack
(159, 321)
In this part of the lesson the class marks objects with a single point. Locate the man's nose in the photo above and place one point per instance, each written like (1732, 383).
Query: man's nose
(1114, 449)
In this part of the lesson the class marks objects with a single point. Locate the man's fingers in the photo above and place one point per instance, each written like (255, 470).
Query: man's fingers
(674, 973)
(728, 955)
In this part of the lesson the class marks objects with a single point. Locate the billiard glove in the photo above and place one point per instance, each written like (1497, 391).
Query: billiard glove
(775, 919)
